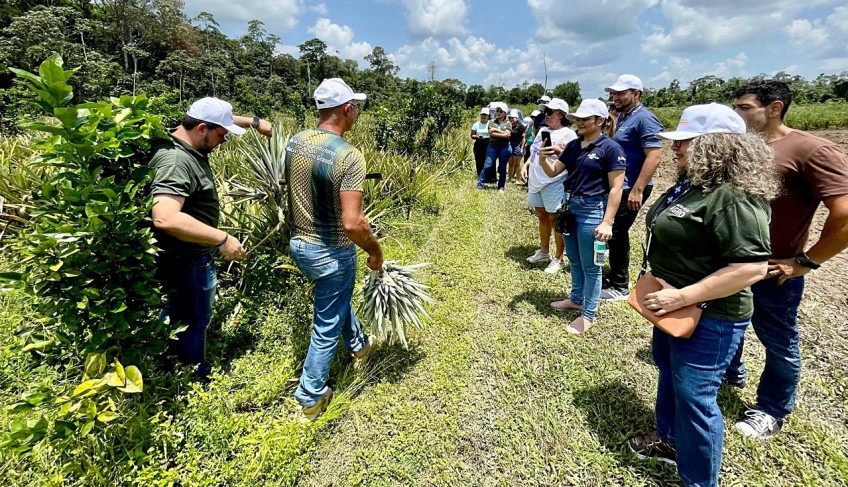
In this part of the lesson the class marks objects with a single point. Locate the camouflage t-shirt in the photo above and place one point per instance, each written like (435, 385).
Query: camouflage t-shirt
(320, 164)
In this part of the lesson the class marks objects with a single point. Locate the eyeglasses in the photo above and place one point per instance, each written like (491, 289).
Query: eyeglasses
(214, 128)
(679, 143)
(500, 111)
(548, 111)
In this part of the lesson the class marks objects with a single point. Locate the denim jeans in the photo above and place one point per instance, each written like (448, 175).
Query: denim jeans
(688, 415)
(333, 269)
(500, 152)
(580, 248)
(619, 245)
(190, 284)
(775, 322)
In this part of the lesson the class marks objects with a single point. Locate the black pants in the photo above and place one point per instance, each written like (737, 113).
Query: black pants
(619, 244)
(480, 146)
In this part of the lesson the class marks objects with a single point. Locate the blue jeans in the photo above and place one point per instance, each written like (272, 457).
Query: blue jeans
(688, 415)
(500, 152)
(580, 248)
(775, 322)
(334, 271)
(190, 284)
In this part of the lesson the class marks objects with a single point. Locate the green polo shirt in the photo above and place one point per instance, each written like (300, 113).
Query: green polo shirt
(505, 125)
(183, 171)
(702, 233)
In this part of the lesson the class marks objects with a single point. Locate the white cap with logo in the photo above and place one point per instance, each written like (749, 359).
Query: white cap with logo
(706, 119)
(625, 82)
(217, 111)
(558, 104)
(590, 108)
(334, 92)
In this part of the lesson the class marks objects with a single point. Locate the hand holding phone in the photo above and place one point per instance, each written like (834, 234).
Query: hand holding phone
(546, 139)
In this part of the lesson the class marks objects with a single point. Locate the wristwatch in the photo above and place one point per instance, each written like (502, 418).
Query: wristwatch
(804, 260)
(255, 123)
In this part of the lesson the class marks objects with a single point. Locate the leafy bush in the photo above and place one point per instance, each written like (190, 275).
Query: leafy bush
(415, 128)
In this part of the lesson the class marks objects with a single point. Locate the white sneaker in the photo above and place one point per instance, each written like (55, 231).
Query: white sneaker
(554, 266)
(758, 424)
(539, 258)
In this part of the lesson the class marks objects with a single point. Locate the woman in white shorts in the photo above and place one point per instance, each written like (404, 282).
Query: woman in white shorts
(544, 193)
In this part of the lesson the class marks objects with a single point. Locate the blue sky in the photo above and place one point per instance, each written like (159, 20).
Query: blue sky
(592, 42)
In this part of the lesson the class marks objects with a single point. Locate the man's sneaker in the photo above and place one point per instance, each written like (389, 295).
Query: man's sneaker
(554, 266)
(614, 294)
(652, 447)
(312, 412)
(758, 424)
(739, 383)
(539, 258)
(361, 355)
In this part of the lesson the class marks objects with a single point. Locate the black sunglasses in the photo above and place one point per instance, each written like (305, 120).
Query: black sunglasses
(548, 111)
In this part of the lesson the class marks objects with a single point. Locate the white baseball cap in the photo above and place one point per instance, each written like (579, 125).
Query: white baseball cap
(528, 120)
(558, 104)
(217, 111)
(534, 113)
(625, 82)
(334, 92)
(543, 99)
(484, 111)
(590, 108)
(706, 119)
(499, 104)
(514, 113)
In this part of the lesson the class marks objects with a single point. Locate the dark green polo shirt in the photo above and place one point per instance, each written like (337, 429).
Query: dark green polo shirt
(183, 171)
(701, 233)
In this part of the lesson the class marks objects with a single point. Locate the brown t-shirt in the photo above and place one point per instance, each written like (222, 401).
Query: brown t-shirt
(813, 169)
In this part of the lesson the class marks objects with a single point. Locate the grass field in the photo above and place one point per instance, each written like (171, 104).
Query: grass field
(492, 392)
(820, 116)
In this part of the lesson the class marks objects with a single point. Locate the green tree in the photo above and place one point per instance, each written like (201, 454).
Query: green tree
(380, 62)
(568, 91)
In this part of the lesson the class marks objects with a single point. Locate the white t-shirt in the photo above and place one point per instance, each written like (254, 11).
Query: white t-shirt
(537, 179)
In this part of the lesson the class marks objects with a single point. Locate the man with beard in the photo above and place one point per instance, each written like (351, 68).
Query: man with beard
(185, 221)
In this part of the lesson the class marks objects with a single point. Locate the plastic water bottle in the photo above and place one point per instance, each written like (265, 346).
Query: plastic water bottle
(600, 252)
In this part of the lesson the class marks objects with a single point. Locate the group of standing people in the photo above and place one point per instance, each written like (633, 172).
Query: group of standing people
(729, 237)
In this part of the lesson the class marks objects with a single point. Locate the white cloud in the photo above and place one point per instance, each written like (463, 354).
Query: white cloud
(320, 8)
(278, 15)
(436, 18)
(339, 38)
(593, 21)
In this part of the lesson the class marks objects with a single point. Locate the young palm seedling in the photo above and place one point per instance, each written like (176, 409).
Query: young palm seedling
(393, 300)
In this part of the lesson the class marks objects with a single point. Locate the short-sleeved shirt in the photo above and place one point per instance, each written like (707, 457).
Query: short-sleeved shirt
(319, 165)
(516, 134)
(701, 233)
(481, 129)
(529, 135)
(505, 125)
(813, 169)
(537, 179)
(636, 131)
(183, 171)
(588, 168)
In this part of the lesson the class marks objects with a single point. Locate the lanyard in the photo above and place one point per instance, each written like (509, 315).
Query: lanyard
(679, 191)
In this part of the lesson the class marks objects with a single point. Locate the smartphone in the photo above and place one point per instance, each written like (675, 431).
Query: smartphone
(546, 139)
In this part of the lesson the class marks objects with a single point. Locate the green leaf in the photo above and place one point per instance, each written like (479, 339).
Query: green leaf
(95, 363)
(107, 416)
(40, 345)
(57, 266)
(86, 386)
(86, 429)
(135, 382)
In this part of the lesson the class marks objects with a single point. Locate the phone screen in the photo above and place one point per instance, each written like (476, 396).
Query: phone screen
(546, 139)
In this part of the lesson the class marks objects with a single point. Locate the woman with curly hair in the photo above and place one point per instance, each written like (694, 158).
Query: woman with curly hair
(708, 241)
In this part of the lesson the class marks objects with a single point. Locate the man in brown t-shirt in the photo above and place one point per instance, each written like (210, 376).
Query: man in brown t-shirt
(814, 170)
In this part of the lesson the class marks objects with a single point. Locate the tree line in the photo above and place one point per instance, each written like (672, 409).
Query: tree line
(150, 46)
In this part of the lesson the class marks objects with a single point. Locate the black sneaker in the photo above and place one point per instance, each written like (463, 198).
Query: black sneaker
(652, 447)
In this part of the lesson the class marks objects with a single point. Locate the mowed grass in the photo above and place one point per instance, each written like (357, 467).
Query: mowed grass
(499, 394)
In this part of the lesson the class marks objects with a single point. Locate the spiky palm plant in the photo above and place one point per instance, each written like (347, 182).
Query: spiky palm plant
(393, 300)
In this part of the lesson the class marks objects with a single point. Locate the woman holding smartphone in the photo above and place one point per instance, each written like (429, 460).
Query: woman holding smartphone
(545, 193)
(480, 136)
(595, 166)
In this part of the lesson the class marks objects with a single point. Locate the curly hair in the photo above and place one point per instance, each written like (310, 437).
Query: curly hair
(742, 160)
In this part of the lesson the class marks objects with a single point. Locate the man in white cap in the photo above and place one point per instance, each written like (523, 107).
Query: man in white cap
(325, 175)
(539, 114)
(636, 133)
(185, 220)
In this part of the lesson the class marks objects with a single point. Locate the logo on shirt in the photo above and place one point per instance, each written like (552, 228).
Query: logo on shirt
(593, 156)
(679, 210)
(622, 159)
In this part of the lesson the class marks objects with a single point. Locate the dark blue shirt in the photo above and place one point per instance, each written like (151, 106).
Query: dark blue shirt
(588, 168)
(539, 122)
(636, 131)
